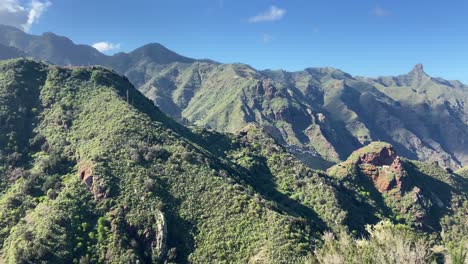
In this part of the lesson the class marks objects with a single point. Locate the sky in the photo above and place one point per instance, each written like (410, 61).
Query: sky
(361, 37)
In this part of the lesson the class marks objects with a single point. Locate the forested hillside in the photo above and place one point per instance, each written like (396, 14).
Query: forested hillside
(91, 172)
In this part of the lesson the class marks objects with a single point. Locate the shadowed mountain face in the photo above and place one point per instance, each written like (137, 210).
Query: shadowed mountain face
(7, 52)
(320, 114)
(50, 47)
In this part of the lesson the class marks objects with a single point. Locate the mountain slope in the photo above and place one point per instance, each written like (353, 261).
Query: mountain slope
(92, 171)
(323, 111)
(437, 107)
(94, 178)
(463, 172)
(7, 52)
(420, 193)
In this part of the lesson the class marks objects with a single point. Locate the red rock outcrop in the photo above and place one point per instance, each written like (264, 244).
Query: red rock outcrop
(384, 168)
(385, 157)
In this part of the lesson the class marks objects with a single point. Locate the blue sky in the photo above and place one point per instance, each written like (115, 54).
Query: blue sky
(362, 37)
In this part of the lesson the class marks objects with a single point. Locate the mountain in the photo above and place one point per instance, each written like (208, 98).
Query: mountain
(50, 47)
(320, 114)
(92, 171)
(7, 52)
(323, 111)
(60, 50)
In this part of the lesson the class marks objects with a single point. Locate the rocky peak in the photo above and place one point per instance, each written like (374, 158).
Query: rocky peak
(418, 70)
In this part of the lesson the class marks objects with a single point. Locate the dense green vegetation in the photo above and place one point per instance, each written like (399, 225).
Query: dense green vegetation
(91, 172)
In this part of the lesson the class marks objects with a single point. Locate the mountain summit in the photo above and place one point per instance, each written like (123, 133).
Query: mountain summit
(156, 52)
(418, 68)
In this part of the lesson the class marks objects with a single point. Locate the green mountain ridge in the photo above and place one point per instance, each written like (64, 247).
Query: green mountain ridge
(93, 178)
(92, 171)
(320, 114)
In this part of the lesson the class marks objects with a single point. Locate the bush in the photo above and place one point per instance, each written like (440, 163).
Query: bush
(387, 243)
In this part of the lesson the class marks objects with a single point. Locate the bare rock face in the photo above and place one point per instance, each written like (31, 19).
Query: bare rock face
(159, 245)
(93, 182)
(321, 117)
(403, 185)
(418, 68)
(265, 89)
(385, 157)
(269, 88)
(86, 173)
(385, 169)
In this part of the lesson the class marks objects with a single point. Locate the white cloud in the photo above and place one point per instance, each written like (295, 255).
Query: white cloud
(106, 46)
(13, 13)
(37, 8)
(272, 14)
(380, 12)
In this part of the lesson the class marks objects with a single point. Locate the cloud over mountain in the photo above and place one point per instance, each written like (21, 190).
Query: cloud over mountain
(105, 46)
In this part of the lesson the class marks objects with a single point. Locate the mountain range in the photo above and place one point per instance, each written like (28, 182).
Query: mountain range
(153, 157)
(320, 114)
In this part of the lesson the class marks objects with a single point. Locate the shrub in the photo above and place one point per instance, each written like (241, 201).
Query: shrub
(387, 243)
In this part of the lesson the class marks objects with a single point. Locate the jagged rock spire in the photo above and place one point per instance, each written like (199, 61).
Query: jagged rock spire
(418, 69)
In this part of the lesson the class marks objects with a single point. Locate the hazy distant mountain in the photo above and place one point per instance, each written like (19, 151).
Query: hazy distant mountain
(7, 52)
(50, 47)
(62, 51)
(321, 114)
